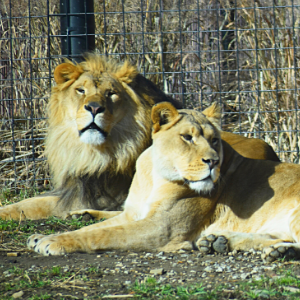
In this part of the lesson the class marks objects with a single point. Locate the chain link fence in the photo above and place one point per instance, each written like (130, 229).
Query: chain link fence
(243, 54)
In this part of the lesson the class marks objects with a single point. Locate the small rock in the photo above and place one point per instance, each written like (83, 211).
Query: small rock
(18, 295)
(159, 271)
(208, 269)
(291, 289)
(261, 295)
(245, 276)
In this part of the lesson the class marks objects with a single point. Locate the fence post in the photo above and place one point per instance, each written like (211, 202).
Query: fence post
(77, 27)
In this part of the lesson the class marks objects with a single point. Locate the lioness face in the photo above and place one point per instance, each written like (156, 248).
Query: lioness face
(187, 148)
(99, 101)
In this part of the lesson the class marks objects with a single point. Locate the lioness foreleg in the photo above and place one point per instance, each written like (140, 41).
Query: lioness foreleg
(146, 234)
(33, 208)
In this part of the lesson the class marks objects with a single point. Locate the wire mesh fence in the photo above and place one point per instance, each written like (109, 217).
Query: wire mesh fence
(243, 54)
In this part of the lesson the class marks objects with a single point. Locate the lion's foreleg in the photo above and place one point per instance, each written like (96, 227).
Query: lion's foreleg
(33, 208)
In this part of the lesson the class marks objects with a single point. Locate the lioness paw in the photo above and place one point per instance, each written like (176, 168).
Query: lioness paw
(212, 243)
(45, 245)
(282, 250)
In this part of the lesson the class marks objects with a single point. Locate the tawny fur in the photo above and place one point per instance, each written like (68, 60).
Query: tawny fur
(191, 189)
(98, 176)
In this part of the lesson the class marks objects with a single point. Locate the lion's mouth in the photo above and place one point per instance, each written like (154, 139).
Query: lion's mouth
(93, 126)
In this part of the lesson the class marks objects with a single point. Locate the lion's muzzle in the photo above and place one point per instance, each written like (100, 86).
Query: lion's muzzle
(93, 126)
(94, 108)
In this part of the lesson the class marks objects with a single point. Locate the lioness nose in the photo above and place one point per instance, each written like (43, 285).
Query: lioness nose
(211, 162)
(94, 108)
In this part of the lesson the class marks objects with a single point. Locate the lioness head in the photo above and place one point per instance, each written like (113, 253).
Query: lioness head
(187, 146)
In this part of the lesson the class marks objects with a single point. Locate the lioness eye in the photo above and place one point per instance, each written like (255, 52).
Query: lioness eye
(80, 91)
(187, 137)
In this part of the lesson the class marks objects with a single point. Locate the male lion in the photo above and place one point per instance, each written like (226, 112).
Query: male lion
(99, 123)
(191, 189)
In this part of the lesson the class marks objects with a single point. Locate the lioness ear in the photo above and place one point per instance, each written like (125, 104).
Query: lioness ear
(67, 71)
(164, 113)
(213, 114)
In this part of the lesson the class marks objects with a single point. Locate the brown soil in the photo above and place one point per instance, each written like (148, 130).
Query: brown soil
(107, 274)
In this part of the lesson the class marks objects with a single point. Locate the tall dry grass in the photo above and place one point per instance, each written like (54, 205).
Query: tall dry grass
(198, 51)
(272, 36)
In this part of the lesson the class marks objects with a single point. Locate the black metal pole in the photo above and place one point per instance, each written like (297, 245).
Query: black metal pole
(77, 27)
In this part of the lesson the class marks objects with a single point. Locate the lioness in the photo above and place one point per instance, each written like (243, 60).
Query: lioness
(191, 189)
(99, 123)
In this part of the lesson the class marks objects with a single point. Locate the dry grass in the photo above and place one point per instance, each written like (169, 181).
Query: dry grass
(202, 56)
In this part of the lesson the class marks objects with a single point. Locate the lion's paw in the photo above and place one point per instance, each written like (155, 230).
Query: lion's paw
(212, 243)
(7, 213)
(86, 215)
(274, 252)
(45, 245)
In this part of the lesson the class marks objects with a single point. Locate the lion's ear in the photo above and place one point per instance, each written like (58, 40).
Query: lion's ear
(67, 71)
(164, 113)
(213, 114)
(127, 72)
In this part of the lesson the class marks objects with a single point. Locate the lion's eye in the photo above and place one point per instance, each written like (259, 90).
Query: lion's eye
(80, 91)
(215, 141)
(111, 93)
(187, 137)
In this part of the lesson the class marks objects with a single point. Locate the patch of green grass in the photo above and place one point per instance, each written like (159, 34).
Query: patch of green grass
(18, 232)
(22, 280)
(10, 196)
(151, 288)
(264, 288)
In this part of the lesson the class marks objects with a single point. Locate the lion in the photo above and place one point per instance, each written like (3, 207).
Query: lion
(99, 124)
(192, 190)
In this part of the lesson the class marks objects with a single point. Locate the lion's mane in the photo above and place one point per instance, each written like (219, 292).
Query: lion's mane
(85, 173)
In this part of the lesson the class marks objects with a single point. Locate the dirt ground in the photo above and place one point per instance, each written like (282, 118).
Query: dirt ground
(114, 274)
(124, 275)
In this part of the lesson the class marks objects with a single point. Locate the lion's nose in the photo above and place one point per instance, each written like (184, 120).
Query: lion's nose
(94, 108)
(211, 162)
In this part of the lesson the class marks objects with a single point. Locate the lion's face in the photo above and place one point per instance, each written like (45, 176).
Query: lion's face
(99, 106)
(186, 147)
(99, 101)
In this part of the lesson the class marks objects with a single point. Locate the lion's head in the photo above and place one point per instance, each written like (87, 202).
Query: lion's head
(187, 146)
(98, 120)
